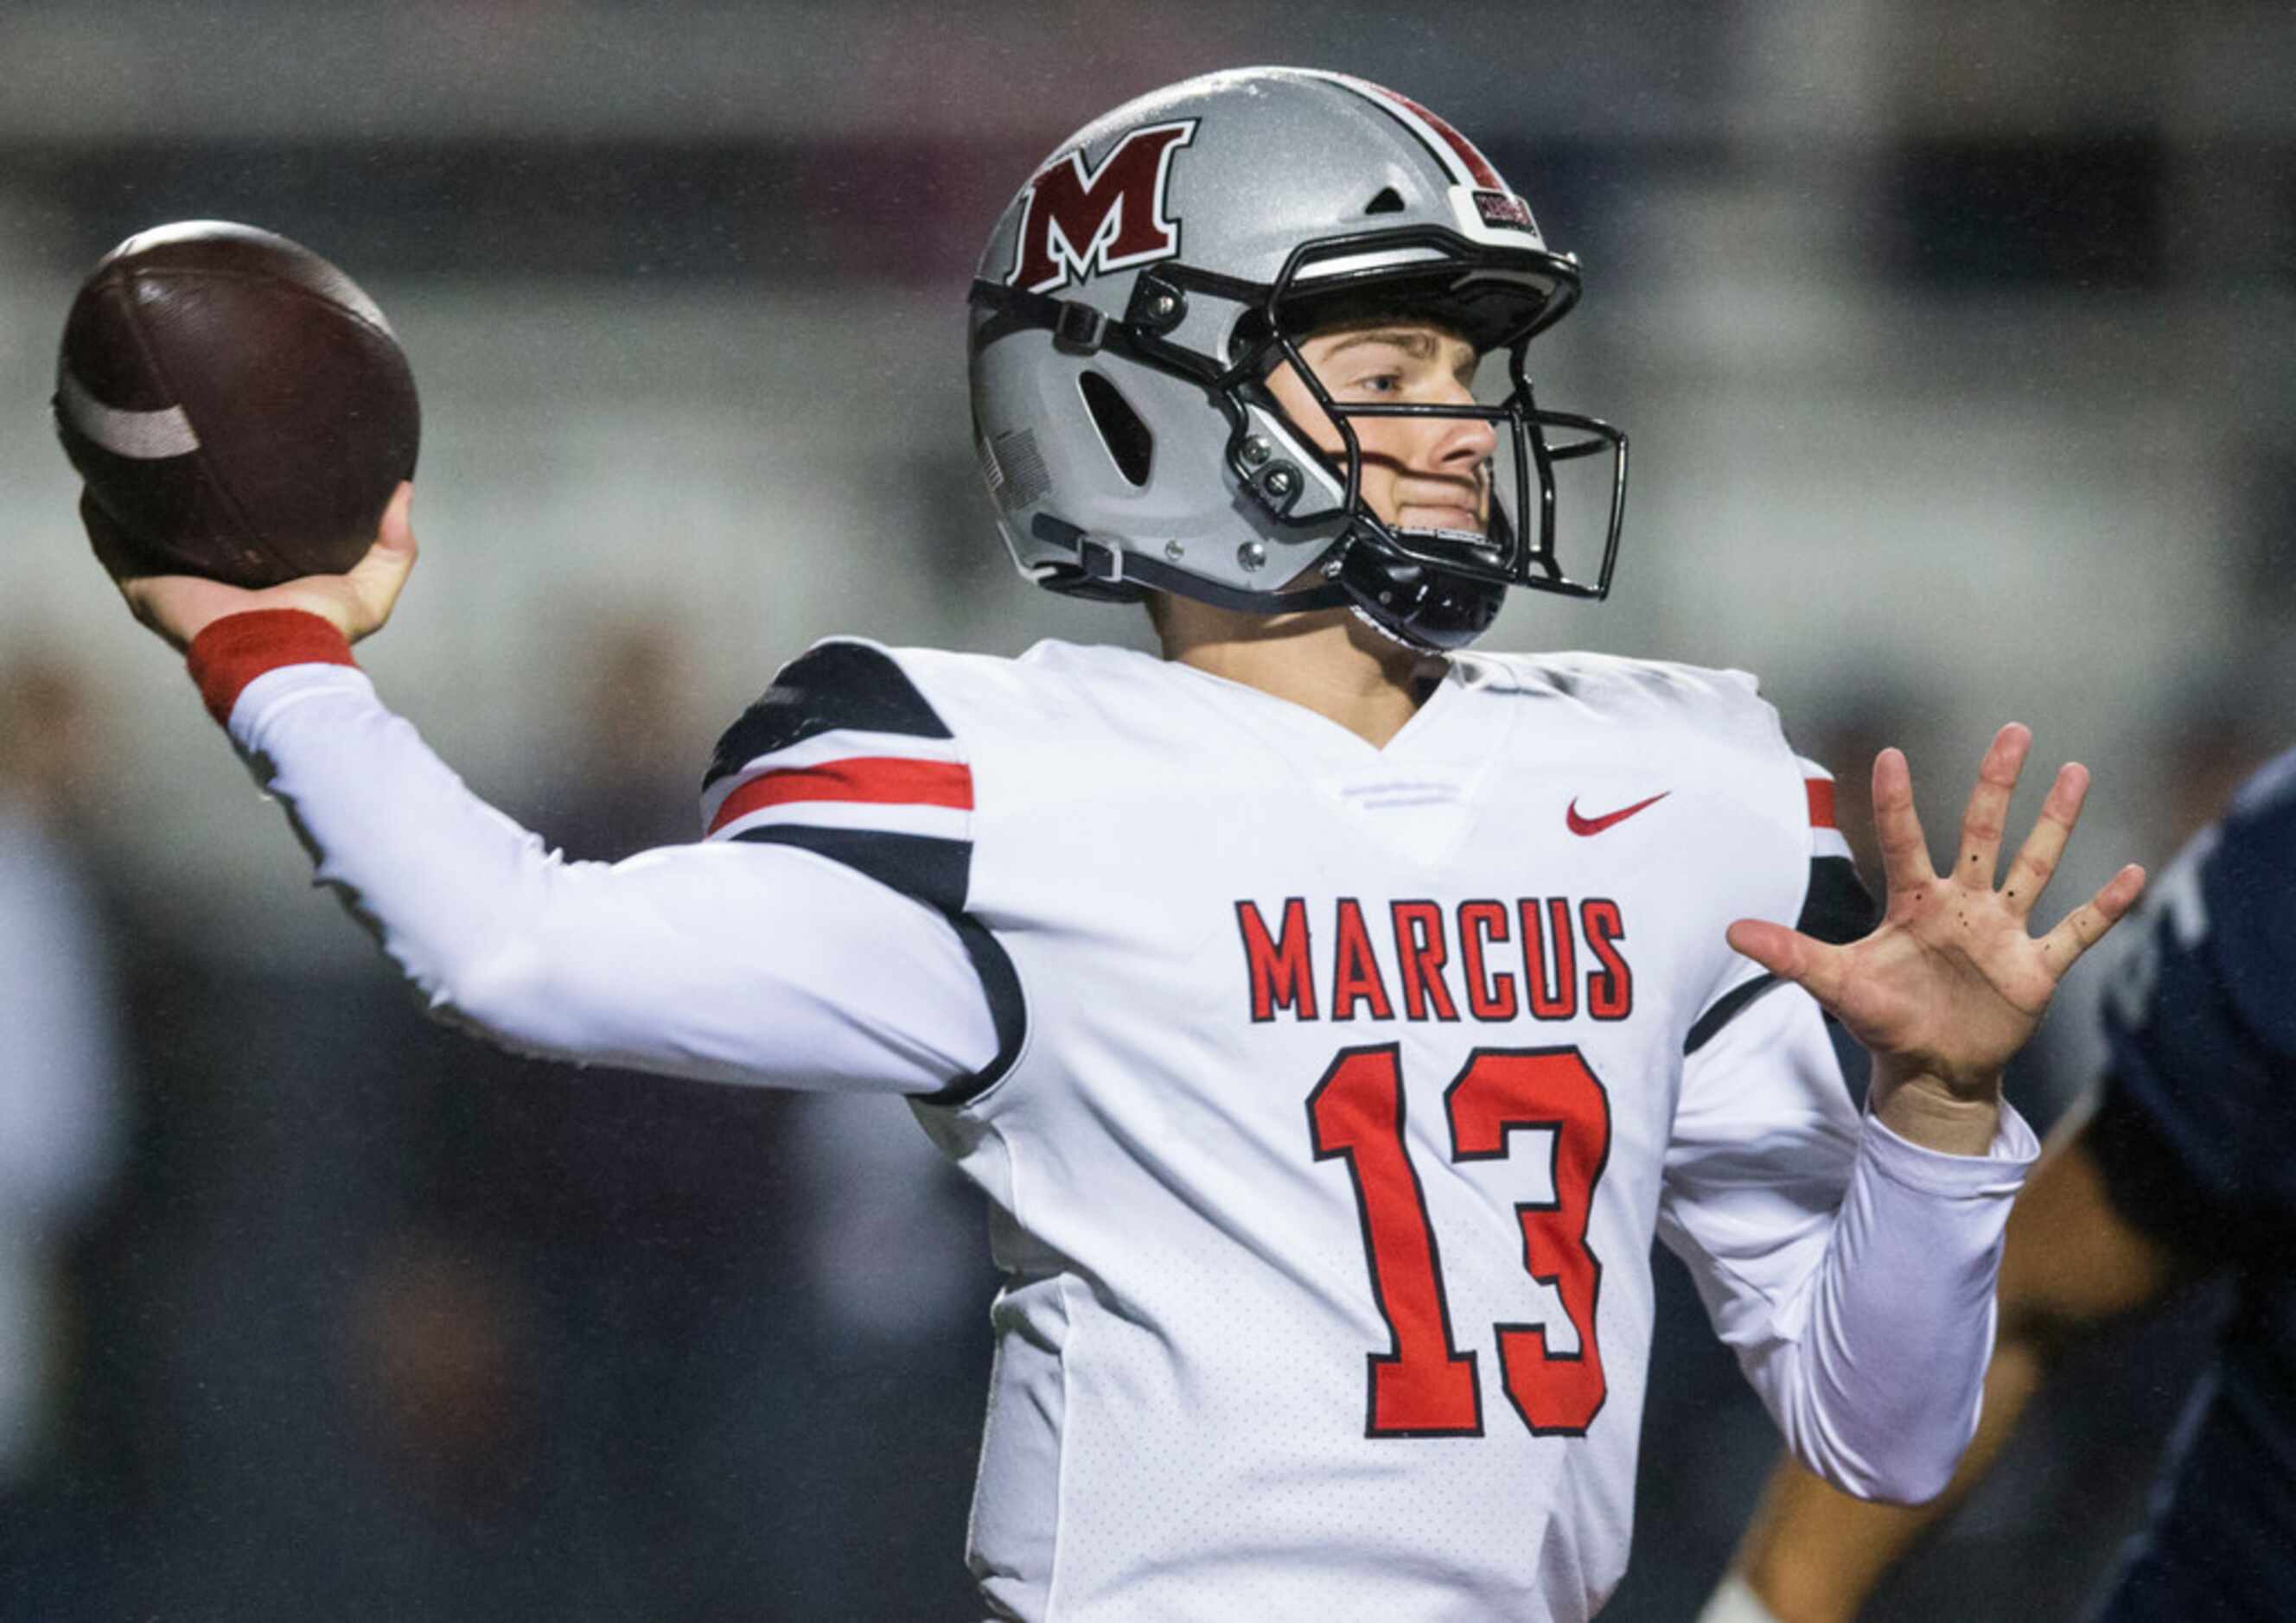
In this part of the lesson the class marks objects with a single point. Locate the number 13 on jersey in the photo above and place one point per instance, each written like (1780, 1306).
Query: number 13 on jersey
(1424, 1386)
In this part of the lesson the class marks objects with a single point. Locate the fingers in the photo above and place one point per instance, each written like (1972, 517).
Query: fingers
(1988, 814)
(397, 532)
(2037, 858)
(1791, 955)
(2085, 926)
(178, 607)
(1897, 828)
(377, 578)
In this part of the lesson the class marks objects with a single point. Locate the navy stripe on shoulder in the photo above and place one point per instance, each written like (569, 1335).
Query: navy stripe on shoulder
(1837, 908)
(834, 686)
(1726, 1008)
(931, 871)
(935, 873)
(1006, 1010)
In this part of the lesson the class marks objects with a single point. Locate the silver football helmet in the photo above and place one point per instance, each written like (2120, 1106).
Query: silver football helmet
(1168, 258)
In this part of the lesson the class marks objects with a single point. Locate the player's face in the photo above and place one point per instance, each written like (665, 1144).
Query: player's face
(1418, 472)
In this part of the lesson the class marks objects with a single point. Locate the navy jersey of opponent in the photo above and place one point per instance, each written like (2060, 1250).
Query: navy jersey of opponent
(2196, 1136)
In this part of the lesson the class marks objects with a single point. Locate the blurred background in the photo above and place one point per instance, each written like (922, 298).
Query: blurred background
(1955, 344)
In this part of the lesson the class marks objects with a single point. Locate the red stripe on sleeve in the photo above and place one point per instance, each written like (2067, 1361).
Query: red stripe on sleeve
(1821, 801)
(235, 649)
(879, 780)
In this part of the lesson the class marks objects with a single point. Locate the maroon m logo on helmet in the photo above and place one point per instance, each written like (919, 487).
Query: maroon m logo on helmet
(1080, 221)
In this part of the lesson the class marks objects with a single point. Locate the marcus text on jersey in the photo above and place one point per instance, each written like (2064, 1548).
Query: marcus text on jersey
(1547, 957)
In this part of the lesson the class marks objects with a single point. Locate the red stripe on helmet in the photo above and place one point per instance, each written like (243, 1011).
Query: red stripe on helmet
(1478, 167)
(1821, 801)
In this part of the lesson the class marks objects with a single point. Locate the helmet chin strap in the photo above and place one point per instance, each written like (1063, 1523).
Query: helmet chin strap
(1417, 604)
(1387, 632)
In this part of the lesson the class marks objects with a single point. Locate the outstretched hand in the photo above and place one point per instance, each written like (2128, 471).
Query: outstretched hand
(179, 607)
(1951, 983)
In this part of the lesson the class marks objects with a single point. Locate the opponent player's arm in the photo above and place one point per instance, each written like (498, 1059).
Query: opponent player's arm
(725, 962)
(2070, 1263)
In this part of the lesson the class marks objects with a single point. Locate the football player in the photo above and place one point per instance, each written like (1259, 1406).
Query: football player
(1331, 1015)
(2178, 1166)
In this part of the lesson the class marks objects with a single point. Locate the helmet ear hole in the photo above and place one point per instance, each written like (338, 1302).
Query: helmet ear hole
(1129, 444)
(1388, 201)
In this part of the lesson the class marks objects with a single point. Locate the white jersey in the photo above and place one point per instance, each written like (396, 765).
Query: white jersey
(1327, 1098)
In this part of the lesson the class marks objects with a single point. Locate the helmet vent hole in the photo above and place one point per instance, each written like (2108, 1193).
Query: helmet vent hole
(1130, 446)
(1388, 201)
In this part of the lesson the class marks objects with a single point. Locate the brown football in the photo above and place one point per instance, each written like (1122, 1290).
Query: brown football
(237, 406)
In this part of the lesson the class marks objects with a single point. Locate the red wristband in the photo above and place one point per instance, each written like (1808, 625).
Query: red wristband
(235, 649)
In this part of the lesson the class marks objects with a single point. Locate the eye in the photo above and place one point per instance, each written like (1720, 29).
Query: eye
(1380, 383)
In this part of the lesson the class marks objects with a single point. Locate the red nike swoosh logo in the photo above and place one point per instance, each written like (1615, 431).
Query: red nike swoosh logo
(1595, 825)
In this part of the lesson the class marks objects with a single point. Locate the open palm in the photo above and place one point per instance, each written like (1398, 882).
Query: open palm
(1952, 983)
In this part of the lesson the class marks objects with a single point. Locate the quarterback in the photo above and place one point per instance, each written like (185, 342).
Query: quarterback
(1330, 1014)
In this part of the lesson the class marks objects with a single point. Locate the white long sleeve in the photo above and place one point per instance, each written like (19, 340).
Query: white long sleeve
(1851, 1271)
(726, 962)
